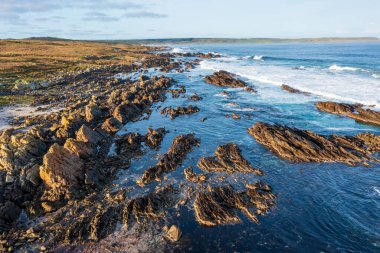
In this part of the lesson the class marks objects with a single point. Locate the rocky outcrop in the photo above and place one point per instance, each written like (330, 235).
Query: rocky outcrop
(354, 111)
(150, 207)
(154, 138)
(225, 79)
(61, 168)
(175, 112)
(177, 92)
(218, 206)
(228, 158)
(306, 146)
(181, 146)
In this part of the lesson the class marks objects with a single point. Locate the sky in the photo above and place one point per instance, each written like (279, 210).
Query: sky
(144, 19)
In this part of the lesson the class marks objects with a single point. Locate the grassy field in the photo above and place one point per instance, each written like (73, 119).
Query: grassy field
(32, 60)
(36, 60)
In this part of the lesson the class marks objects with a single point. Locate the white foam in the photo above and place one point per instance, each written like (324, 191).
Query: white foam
(346, 87)
(377, 190)
(377, 76)
(258, 57)
(177, 50)
(340, 68)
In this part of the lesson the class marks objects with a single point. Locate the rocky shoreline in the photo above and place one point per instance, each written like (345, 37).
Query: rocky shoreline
(57, 169)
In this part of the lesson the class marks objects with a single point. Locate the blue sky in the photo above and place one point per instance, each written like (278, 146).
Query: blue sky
(132, 19)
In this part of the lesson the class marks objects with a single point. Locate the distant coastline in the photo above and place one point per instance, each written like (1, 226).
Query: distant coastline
(223, 40)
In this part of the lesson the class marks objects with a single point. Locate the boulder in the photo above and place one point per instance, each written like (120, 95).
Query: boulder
(61, 168)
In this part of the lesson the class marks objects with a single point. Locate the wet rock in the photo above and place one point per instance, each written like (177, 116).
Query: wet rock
(194, 178)
(175, 112)
(356, 112)
(181, 146)
(61, 168)
(150, 207)
(195, 97)
(306, 146)
(112, 125)
(154, 138)
(225, 79)
(293, 90)
(9, 212)
(236, 116)
(228, 158)
(218, 206)
(176, 92)
(129, 145)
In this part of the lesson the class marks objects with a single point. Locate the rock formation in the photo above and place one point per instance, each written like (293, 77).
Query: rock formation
(306, 146)
(228, 158)
(356, 111)
(181, 146)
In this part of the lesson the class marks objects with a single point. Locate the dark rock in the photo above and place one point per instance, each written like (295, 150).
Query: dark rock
(218, 205)
(195, 97)
(192, 177)
(181, 146)
(154, 138)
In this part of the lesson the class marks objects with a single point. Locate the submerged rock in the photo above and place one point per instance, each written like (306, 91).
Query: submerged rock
(293, 90)
(175, 112)
(218, 206)
(228, 158)
(192, 177)
(355, 111)
(195, 97)
(181, 146)
(225, 79)
(306, 146)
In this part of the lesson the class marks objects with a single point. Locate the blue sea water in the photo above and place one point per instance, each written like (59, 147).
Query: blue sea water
(328, 207)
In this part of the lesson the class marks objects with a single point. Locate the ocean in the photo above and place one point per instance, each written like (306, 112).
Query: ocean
(326, 207)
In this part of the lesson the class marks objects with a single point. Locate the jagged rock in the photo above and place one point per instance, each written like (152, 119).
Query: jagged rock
(181, 146)
(126, 112)
(218, 205)
(154, 137)
(86, 134)
(306, 146)
(92, 113)
(150, 207)
(293, 90)
(225, 79)
(174, 233)
(355, 112)
(81, 149)
(175, 112)
(192, 177)
(112, 125)
(228, 158)
(61, 168)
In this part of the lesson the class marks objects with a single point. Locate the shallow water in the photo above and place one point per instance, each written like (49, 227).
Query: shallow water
(320, 207)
